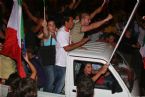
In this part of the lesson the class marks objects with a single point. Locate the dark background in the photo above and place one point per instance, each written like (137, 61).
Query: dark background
(54, 5)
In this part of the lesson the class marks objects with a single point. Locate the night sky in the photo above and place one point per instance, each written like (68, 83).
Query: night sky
(54, 5)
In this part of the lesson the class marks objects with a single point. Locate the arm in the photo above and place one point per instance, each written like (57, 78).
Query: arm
(71, 5)
(40, 36)
(98, 10)
(76, 45)
(33, 18)
(44, 33)
(137, 45)
(76, 4)
(96, 24)
(38, 26)
(100, 72)
(31, 66)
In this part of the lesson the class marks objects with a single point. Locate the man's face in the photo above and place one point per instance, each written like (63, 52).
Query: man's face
(70, 23)
(86, 20)
(88, 69)
(51, 26)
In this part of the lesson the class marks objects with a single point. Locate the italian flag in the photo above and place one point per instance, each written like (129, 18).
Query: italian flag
(14, 35)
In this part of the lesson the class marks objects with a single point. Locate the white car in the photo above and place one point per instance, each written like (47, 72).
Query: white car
(120, 80)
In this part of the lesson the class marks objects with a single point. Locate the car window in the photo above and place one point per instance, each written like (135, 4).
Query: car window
(123, 68)
(104, 82)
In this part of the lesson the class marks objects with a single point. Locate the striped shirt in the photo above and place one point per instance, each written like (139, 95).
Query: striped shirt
(76, 35)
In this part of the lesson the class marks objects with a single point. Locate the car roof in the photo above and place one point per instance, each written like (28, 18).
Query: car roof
(99, 50)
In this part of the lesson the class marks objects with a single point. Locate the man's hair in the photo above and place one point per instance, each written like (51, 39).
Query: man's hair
(25, 87)
(13, 81)
(81, 71)
(51, 18)
(83, 15)
(66, 17)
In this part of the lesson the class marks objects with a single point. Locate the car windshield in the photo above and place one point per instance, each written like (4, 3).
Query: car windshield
(122, 67)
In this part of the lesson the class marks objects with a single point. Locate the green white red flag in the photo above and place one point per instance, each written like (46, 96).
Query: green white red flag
(14, 35)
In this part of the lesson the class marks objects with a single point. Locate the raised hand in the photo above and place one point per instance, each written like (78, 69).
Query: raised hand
(26, 57)
(109, 17)
(103, 69)
(44, 23)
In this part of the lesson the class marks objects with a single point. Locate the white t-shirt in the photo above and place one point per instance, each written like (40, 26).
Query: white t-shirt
(63, 39)
(141, 36)
(142, 51)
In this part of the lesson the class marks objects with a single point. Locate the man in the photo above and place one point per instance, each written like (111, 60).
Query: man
(63, 45)
(77, 33)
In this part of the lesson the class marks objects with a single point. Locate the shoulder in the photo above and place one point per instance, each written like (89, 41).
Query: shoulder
(60, 30)
(78, 24)
(83, 78)
(77, 27)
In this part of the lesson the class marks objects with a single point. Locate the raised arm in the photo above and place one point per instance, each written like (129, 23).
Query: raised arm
(33, 18)
(96, 24)
(100, 72)
(38, 27)
(98, 10)
(71, 5)
(76, 4)
(31, 66)
(45, 33)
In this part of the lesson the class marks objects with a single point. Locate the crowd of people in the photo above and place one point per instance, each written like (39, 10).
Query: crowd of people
(51, 38)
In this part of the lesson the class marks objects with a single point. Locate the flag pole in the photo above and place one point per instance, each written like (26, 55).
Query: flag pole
(125, 28)
(44, 10)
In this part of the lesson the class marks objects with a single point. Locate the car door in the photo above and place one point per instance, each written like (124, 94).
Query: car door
(103, 86)
(72, 71)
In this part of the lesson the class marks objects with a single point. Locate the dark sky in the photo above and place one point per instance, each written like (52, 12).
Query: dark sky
(114, 4)
(36, 6)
